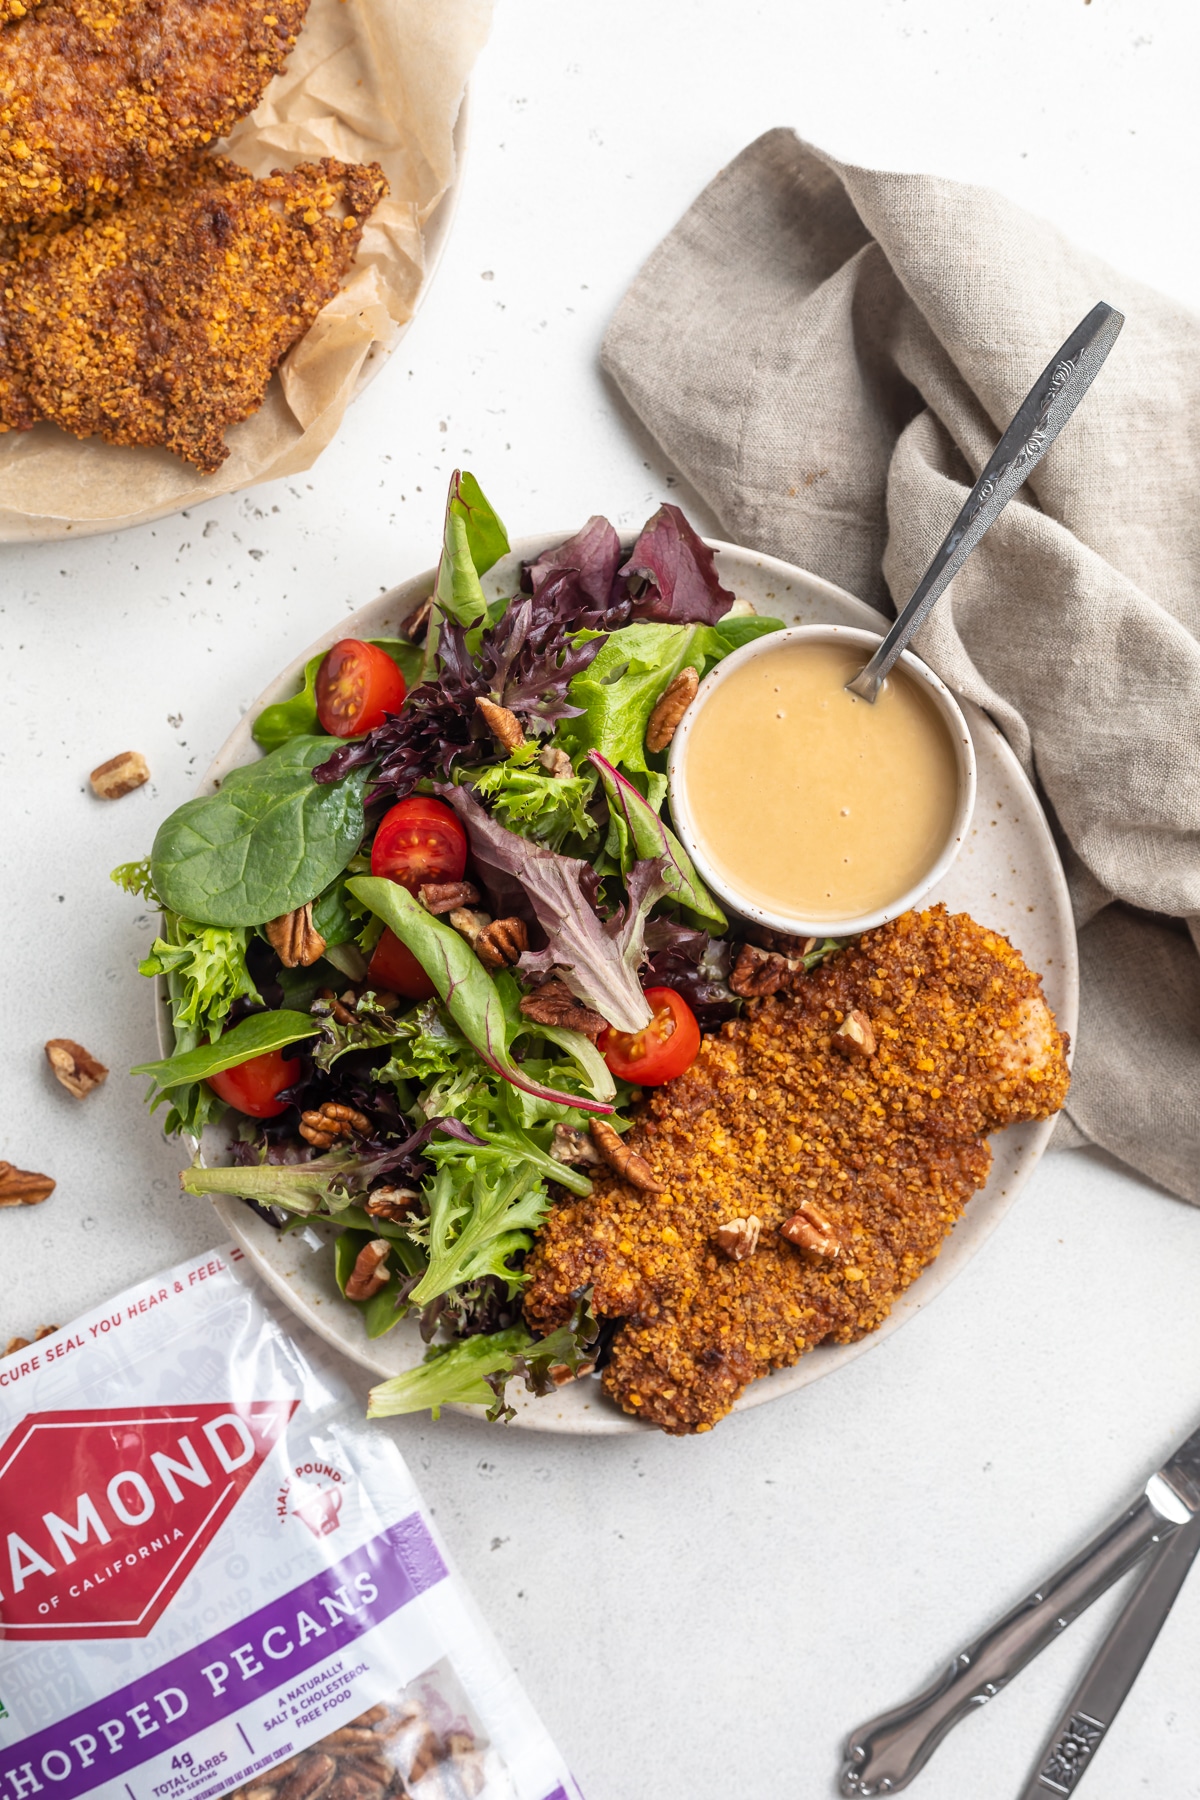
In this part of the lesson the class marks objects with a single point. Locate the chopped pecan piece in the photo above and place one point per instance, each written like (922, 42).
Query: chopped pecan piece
(666, 717)
(738, 1238)
(854, 1036)
(501, 944)
(759, 972)
(119, 775)
(504, 726)
(416, 625)
(556, 762)
(332, 1122)
(295, 938)
(812, 1234)
(78, 1072)
(20, 1187)
(15, 1344)
(447, 896)
(314, 1770)
(769, 939)
(554, 1004)
(468, 923)
(391, 1203)
(561, 1373)
(626, 1162)
(45, 1331)
(570, 1145)
(369, 1274)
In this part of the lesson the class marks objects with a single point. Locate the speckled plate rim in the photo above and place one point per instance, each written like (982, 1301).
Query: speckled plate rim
(302, 1277)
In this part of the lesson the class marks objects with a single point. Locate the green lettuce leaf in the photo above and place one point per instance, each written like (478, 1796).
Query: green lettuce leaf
(450, 1373)
(482, 1211)
(209, 966)
(473, 540)
(644, 835)
(250, 1037)
(547, 808)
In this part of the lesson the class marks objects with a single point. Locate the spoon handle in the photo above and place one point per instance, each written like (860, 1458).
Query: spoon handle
(1038, 420)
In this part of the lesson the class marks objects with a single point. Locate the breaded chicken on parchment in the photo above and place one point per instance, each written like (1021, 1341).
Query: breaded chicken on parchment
(160, 320)
(99, 95)
(844, 1127)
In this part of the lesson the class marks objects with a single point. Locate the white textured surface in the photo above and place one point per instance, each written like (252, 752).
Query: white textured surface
(704, 1618)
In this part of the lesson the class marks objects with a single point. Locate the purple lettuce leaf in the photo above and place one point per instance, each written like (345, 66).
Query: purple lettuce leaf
(672, 574)
(598, 960)
(695, 965)
(578, 581)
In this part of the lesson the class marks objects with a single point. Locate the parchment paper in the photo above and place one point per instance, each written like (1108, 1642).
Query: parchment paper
(369, 81)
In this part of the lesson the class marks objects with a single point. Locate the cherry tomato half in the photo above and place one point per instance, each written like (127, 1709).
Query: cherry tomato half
(664, 1049)
(394, 966)
(254, 1087)
(419, 840)
(357, 686)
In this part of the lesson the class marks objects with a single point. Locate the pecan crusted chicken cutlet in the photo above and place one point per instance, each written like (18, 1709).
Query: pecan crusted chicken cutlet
(160, 320)
(97, 96)
(875, 1137)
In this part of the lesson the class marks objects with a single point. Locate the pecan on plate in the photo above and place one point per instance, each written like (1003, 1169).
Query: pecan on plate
(119, 775)
(501, 944)
(570, 1145)
(295, 938)
(738, 1238)
(756, 972)
(331, 1122)
(447, 896)
(21, 1187)
(391, 1203)
(556, 762)
(854, 1036)
(468, 923)
(369, 1273)
(668, 714)
(554, 1004)
(504, 726)
(626, 1162)
(812, 1234)
(416, 625)
(78, 1071)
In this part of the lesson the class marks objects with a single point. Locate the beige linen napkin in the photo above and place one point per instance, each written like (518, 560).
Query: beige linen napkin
(829, 354)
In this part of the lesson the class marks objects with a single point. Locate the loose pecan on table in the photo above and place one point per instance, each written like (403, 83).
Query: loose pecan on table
(667, 715)
(21, 1187)
(812, 1234)
(504, 725)
(331, 1122)
(119, 775)
(554, 1004)
(78, 1071)
(626, 1162)
(501, 944)
(447, 896)
(854, 1036)
(369, 1274)
(295, 938)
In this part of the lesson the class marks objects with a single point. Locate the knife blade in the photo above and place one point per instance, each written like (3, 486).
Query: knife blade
(882, 1756)
(1114, 1668)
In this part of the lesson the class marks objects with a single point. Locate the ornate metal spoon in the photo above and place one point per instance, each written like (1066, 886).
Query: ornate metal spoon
(1038, 420)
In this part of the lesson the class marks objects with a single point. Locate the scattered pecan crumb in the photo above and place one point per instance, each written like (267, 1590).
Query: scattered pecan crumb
(570, 1145)
(447, 896)
(556, 762)
(78, 1071)
(561, 1373)
(331, 1122)
(666, 717)
(119, 775)
(295, 938)
(554, 1004)
(628, 1164)
(416, 625)
(504, 726)
(738, 1238)
(501, 944)
(812, 1234)
(21, 1187)
(369, 1274)
(854, 1036)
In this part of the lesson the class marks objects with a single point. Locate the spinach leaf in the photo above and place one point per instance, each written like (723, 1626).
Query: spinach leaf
(467, 990)
(646, 835)
(251, 1037)
(269, 840)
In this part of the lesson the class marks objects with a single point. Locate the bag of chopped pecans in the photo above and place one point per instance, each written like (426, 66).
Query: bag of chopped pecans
(214, 1580)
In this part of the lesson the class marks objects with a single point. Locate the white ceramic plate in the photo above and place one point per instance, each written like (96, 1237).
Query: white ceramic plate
(1007, 876)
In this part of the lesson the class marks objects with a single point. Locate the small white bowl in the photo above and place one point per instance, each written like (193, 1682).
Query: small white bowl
(960, 740)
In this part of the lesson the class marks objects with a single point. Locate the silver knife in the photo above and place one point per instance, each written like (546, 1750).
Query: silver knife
(882, 1756)
(1114, 1669)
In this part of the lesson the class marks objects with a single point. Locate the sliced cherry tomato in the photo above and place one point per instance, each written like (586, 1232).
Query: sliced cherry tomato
(419, 840)
(357, 686)
(254, 1087)
(394, 966)
(664, 1049)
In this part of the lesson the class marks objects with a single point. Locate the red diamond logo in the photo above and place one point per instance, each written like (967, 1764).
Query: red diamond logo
(104, 1514)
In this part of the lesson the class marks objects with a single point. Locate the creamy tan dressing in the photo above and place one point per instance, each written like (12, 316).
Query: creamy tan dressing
(809, 800)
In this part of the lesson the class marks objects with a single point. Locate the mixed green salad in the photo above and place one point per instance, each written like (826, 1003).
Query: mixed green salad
(423, 955)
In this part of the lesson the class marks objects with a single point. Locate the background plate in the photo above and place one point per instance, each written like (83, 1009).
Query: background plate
(1008, 876)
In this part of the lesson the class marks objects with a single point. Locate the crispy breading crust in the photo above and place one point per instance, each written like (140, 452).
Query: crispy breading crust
(160, 320)
(770, 1115)
(99, 95)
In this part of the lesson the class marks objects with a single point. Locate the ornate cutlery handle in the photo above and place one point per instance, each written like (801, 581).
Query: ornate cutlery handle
(883, 1755)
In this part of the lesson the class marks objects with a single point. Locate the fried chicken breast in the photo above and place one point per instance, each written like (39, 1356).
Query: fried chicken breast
(98, 95)
(876, 1149)
(160, 320)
